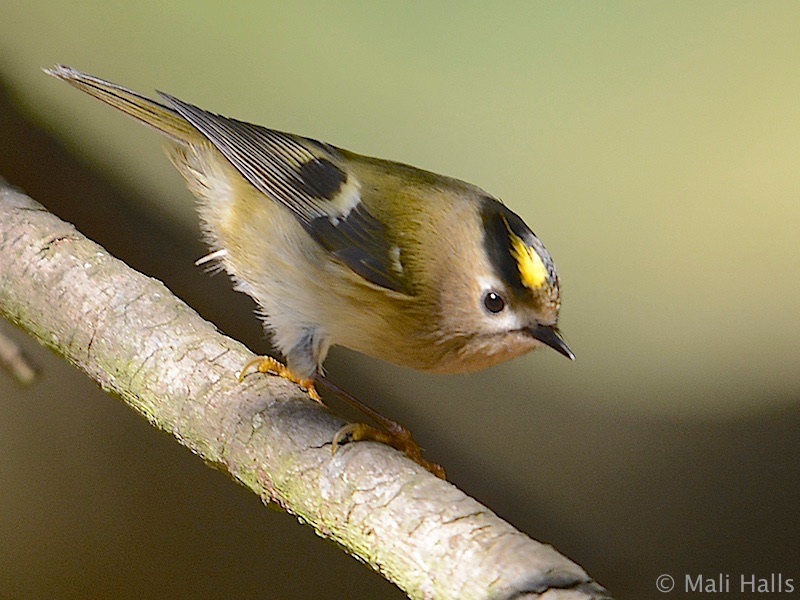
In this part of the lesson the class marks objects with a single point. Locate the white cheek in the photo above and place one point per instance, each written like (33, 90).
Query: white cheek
(503, 321)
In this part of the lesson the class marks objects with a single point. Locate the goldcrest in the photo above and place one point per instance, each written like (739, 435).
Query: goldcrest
(411, 267)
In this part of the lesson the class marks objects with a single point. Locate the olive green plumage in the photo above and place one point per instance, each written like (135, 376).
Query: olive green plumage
(398, 263)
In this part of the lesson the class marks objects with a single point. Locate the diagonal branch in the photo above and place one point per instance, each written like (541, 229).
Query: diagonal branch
(139, 342)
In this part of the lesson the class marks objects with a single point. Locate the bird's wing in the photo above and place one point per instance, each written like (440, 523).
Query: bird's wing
(312, 180)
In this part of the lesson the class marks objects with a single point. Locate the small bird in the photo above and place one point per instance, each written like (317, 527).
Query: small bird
(401, 264)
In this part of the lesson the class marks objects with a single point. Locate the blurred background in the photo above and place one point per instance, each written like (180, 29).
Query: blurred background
(654, 147)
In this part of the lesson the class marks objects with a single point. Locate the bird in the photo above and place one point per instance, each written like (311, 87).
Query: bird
(395, 262)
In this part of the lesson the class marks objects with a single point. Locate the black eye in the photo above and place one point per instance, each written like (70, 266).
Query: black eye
(493, 302)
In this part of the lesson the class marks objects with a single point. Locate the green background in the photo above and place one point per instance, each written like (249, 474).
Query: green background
(654, 147)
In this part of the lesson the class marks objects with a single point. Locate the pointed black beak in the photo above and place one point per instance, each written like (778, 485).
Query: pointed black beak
(550, 336)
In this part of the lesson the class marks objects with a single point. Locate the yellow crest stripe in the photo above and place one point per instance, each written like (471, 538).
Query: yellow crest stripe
(532, 271)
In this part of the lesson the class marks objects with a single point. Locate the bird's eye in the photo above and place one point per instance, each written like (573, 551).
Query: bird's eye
(493, 302)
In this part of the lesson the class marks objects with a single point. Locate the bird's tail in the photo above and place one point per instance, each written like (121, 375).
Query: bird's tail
(156, 115)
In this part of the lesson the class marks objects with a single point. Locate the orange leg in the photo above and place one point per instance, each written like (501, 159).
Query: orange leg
(267, 364)
(390, 432)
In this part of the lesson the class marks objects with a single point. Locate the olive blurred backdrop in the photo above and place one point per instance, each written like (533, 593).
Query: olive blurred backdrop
(654, 147)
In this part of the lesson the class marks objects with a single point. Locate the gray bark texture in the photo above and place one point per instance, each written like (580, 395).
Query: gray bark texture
(131, 335)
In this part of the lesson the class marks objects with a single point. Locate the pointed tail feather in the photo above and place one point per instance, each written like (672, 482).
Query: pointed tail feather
(149, 112)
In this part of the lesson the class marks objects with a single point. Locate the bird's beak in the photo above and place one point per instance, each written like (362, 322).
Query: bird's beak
(549, 336)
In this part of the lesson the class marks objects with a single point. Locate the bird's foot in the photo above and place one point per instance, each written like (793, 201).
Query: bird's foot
(399, 438)
(389, 432)
(271, 366)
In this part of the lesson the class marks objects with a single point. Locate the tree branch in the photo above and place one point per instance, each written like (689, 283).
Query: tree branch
(138, 341)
